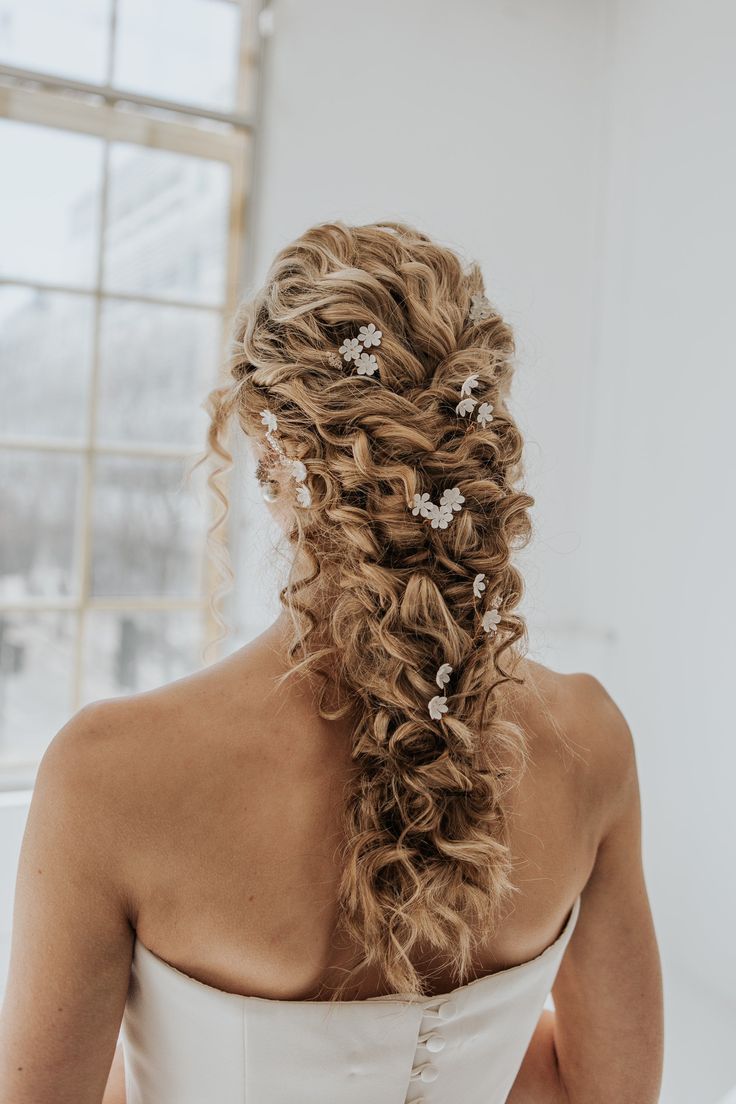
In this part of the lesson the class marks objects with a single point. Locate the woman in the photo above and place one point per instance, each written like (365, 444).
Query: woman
(349, 861)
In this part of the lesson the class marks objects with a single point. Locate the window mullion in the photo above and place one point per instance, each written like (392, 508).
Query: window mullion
(84, 531)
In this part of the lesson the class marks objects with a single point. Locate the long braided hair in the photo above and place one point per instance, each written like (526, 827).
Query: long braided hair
(387, 598)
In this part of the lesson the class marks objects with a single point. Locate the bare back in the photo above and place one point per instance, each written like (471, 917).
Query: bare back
(231, 800)
(203, 819)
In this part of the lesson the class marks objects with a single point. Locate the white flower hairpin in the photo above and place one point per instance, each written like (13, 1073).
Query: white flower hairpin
(480, 308)
(468, 404)
(297, 468)
(441, 515)
(438, 704)
(353, 349)
(492, 618)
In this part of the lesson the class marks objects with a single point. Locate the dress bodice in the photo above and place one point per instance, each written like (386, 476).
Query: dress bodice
(186, 1042)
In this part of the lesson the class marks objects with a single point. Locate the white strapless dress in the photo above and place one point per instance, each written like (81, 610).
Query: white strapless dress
(189, 1043)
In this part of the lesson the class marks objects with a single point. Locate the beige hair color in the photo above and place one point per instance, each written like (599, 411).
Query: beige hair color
(386, 599)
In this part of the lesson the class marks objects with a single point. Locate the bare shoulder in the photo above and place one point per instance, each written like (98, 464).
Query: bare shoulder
(605, 738)
(112, 737)
(574, 719)
(125, 753)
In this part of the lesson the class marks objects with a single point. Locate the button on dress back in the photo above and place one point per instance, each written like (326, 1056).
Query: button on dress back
(189, 1043)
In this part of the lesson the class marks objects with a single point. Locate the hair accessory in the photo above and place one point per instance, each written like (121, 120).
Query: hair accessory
(369, 335)
(492, 618)
(270, 420)
(267, 493)
(353, 349)
(438, 704)
(469, 384)
(468, 404)
(443, 675)
(480, 308)
(441, 515)
(334, 360)
(367, 365)
(479, 585)
(297, 468)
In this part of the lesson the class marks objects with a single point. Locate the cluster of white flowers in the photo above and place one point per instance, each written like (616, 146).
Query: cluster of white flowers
(468, 404)
(441, 514)
(354, 349)
(297, 468)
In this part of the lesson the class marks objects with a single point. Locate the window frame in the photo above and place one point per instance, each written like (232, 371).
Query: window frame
(116, 115)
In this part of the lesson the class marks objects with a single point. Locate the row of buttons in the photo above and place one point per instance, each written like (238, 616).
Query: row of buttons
(434, 1042)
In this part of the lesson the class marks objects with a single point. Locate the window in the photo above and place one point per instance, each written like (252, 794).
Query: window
(125, 140)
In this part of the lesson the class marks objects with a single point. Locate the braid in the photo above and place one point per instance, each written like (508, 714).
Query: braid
(407, 610)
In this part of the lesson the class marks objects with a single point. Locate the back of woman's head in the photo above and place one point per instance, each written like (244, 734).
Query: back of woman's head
(404, 607)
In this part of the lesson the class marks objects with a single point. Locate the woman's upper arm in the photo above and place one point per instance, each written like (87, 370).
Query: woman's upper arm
(608, 992)
(72, 941)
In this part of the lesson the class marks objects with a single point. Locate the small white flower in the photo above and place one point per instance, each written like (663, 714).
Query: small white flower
(465, 406)
(479, 585)
(369, 335)
(452, 498)
(441, 515)
(480, 308)
(367, 364)
(303, 495)
(485, 414)
(491, 618)
(269, 419)
(432, 511)
(334, 360)
(469, 384)
(497, 601)
(443, 675)
(421, 505)
(351, 349)
(437, 706)
(298, 470)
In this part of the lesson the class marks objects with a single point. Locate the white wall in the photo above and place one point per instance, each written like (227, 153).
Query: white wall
(661, 495)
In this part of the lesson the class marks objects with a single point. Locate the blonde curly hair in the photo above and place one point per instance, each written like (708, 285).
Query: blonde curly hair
(386, 598)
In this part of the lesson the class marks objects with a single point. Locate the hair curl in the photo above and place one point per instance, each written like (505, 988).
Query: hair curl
(386, 599)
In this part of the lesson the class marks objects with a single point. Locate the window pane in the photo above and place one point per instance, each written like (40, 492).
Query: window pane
(168, 223)
(36, 664)
(39, 502)
(157, 364)
(65, 37)
(126, 652)
(148, 532)
(160, 46)
(45, 362)
(48, 233)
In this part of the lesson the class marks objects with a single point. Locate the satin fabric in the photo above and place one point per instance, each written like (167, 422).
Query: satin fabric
(189, 1043)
